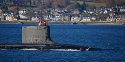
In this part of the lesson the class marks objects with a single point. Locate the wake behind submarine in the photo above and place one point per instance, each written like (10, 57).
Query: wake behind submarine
(38, 38)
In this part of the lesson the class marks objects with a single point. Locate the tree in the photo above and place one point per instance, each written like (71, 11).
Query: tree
(81, 5)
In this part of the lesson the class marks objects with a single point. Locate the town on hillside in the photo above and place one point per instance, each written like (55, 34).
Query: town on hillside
(62, 10)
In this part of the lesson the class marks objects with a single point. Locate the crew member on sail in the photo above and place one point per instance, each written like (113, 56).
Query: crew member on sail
(42, 22)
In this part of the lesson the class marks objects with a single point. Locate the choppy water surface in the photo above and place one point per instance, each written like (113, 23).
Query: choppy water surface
(100, 36)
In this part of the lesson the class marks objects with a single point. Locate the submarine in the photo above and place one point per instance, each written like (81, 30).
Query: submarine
(38, 38)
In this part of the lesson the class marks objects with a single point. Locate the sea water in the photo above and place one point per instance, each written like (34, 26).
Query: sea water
(108, 37)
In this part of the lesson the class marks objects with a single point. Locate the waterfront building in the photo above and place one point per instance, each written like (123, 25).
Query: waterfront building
(35, 19)
(9, 18)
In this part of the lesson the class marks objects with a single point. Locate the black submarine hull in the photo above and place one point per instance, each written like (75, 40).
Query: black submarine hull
(48, 47)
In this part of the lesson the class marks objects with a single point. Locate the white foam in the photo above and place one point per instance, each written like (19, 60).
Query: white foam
(87, 49)
(29, 49)
(64, 50)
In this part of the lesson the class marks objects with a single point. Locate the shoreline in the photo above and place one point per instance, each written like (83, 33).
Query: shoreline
(65, 22)
(90, 23)
(16, 22)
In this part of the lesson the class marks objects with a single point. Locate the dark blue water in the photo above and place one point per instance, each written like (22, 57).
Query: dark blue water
(100, 36)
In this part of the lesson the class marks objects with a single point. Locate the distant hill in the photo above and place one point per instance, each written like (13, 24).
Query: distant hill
(73, 4)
